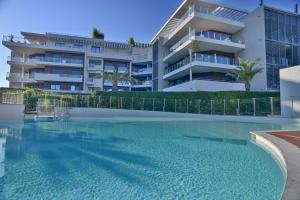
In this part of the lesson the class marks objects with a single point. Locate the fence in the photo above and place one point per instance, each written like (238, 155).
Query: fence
(11, 98)
(248, 107)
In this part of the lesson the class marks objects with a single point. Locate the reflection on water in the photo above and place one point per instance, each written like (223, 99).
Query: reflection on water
(95, 159)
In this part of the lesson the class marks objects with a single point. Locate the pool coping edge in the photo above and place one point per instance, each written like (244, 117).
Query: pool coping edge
(289, 157)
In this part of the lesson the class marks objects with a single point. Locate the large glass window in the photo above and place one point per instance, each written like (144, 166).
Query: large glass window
(282, 44)
(95, 49)
(55, 87)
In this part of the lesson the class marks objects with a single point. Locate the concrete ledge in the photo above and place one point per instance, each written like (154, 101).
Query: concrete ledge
(12, 112)
(289, 157)
(117, 113)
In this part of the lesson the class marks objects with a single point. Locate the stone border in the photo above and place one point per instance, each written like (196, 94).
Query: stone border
(288, 156)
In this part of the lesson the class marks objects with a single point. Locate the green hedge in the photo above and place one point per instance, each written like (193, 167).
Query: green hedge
(192, 102)
(193, 95)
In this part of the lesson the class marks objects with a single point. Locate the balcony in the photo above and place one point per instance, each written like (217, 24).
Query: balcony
(19, 78)
(142, 72)
(200, 63)
(206, 85)
(94, 82)
(200, 17)
(20, 43)
(95, 68)
(42, 77)
(143, 84)
(203, 41)
(120, 84)
(112, 69)
(43, 61)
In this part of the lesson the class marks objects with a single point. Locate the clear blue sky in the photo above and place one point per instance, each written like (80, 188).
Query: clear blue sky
(119, 19)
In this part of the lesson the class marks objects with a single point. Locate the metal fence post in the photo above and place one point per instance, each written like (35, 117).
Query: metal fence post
(110, 102)
(143, 103)
(224, 100)
(272, 106)
(164, 108)
(238, 107)
(99, 102)
(254, 106)
(292, 106)
(175, 106)
(121, 103)
(199, 106)
(211, 107)
(153, 104)
(187, 106)
(131, 103)
(88, 101)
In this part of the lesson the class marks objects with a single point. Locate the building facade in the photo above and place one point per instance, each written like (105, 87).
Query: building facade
(195, 50)
(202, 41)
(68, 63)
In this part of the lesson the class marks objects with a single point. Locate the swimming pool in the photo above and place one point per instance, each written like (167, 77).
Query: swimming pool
(124, 159)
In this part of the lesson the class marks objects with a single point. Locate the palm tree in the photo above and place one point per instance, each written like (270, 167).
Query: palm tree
(117, 77)
(246, 71)
(131, 41)
(97, 34)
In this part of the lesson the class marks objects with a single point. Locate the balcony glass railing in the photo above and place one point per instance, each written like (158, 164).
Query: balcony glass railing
(58, 60)
(219, 11)
(143, 83)
(45, 59)
(205, 34)
(143, 70)
(21, 40)
(201, 58)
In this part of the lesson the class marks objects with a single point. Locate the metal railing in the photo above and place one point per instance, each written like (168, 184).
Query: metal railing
(201, 57)
(267, 106)
(11, 98)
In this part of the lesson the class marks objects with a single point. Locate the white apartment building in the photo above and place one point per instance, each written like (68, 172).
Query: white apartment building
(202, 41)
(194, 51)
(66, 63)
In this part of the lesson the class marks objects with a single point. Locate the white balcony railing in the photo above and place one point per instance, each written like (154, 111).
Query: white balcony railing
(203, 34)
(222, 12)
(42, 59)
(147, 83)
(142, 71)
(23, 41)
(33, 77)
(205, 58)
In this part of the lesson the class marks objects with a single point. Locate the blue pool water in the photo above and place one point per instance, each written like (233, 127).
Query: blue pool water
(95, 159)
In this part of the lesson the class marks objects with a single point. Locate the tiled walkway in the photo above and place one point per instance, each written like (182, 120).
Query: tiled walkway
(292, 137)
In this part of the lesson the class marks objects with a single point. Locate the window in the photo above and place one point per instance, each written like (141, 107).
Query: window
(95, 49)
(59, 44)
(95, 62)
(55, 87)
(78, 46)
(73, 88)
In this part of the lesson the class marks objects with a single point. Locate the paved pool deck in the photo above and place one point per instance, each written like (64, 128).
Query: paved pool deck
(285, 146)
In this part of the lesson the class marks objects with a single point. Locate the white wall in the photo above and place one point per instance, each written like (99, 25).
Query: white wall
(290, 87)
(201, 85)
(12, 112)
(254, 36)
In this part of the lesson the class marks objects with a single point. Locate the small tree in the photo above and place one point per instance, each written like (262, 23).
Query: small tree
(246, 71)
(131, 41)
(97, 34)
(117, 77)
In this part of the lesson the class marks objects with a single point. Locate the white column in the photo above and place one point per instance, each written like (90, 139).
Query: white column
(191, 59)
(130, 74)
(23, 71)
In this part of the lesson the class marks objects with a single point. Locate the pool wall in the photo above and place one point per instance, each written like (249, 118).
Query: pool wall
(117, 113)
(288, 156)
(11, 112)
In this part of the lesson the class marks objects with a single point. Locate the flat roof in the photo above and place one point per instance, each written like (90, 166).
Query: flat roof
(184, 4)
